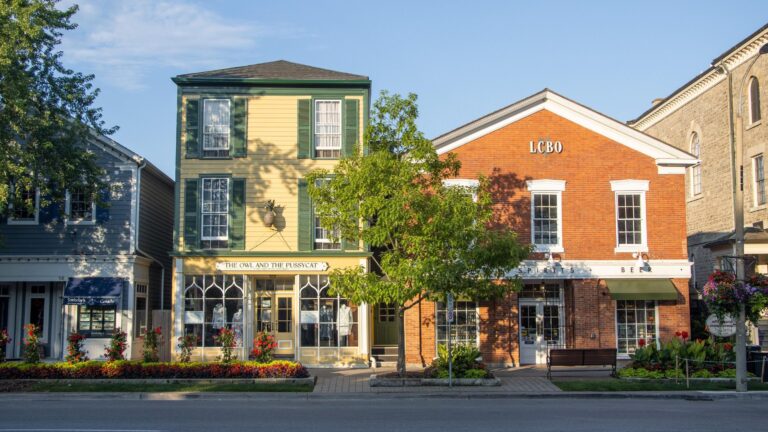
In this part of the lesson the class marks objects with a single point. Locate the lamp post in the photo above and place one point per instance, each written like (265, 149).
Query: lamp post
(737, 151)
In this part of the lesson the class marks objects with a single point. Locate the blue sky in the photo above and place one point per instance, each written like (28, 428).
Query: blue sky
(463, 59)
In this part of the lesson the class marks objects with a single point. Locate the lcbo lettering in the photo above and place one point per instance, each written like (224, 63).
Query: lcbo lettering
(545, 147)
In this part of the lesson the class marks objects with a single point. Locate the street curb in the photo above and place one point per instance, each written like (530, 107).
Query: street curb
(181, 396)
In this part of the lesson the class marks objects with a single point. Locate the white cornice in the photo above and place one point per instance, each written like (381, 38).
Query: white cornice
(602, 269)
(708, 80)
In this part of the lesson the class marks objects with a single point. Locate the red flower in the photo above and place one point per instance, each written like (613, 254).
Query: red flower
(727, 346)
(684, 335)
(158, 331)
(641, 343)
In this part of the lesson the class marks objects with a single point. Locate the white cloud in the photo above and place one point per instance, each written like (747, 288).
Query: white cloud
(122, 41)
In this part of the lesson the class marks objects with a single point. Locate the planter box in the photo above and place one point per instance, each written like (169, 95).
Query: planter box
(245, 381)
(376, 381)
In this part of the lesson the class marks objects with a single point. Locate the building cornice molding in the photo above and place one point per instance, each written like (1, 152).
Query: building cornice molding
(706, 80)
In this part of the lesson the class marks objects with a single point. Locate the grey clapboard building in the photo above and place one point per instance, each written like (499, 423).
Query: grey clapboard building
(88, 267)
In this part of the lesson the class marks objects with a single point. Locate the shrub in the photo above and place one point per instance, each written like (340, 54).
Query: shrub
(32, 344)
(465, 358)
(75, 353)
(475, 373)
(187, 343)
(226, 339)
(263, 346)
(151, 341)
(4, 340)
(116, 349)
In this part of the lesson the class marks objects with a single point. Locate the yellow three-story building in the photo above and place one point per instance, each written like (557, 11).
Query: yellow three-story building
(249, 254)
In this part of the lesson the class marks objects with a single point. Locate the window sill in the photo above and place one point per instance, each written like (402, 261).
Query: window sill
(81, 222)
(757, 208)
(631, 249)
(697, 197)
(549, 248)
(753, 125)
(22, 222)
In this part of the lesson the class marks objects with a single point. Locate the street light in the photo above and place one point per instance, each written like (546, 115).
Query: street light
(737, 148)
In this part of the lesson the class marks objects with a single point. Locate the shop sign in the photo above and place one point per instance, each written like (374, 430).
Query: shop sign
(272, 266)
(545, 146)
(724, 328)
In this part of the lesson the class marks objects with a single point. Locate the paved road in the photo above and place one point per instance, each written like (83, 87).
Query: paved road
(382, 414)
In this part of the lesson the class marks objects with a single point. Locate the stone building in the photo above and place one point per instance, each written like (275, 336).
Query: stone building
(723, 103)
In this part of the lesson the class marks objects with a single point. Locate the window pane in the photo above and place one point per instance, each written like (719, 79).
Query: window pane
(327, 128)
(635, 321)
(215, 209)
(629, 222)
(545, 219)
(216, 124)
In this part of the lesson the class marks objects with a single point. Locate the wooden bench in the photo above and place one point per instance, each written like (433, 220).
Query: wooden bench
(581, 357)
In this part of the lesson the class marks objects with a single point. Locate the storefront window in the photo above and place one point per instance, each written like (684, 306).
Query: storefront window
(464, 326)
(326, 321)
(635, 321)
(212, 303)
(96, 321)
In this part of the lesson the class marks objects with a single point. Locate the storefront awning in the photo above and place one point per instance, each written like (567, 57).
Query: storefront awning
(93, 291)
(642, 289)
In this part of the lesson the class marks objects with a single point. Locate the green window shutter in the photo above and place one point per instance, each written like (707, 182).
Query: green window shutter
(192, 130)
(306, 224)
(305, 129)
(191, 209)
(239, 119)
(237, 215)
(351, 126)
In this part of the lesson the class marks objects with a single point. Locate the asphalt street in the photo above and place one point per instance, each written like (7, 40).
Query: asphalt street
(381, 414)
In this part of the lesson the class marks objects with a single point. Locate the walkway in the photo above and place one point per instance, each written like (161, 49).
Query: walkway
(336, 381)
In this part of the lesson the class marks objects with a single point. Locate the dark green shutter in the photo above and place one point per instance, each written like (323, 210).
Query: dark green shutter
(351, 126)
(306, 225)
(192, 130)
(237, 215)
(191, 207)
(239, 120)
(305, 129)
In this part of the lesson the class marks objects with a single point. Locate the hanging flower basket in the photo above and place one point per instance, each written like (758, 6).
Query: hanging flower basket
(269, 215)
(723, 295)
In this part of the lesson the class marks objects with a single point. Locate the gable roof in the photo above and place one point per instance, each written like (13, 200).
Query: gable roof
(668, 158)
(120, 151)
(280, 70)
(730, 60)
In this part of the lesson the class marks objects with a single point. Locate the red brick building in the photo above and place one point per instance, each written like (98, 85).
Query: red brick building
(604, 207)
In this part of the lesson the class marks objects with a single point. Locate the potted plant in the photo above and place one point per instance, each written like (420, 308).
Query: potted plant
(269, 215)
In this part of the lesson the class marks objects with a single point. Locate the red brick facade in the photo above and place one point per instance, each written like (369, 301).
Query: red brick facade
(587, 164)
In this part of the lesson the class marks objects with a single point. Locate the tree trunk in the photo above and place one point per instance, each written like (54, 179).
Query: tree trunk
(401, 340)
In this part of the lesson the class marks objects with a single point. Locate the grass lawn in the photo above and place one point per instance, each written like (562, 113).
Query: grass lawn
(620, 385)
(125, 387)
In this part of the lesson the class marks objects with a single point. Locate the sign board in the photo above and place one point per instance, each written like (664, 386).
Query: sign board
(449, 308)
(272, 266)
(724, 328)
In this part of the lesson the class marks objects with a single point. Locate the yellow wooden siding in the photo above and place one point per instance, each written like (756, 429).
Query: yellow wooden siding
(271, 170)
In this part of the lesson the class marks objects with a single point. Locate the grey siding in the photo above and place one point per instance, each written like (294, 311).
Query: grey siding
(52, 236)
(156, 229)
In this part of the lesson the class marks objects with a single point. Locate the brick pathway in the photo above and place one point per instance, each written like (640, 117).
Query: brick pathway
(356, 381)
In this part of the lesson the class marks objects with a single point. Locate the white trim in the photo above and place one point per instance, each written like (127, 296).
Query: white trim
(67, 213)
(46, 308)
(553, 248)
(639, 247)
(662, 152)
(229, 127)
(629, 185)
(601, 269)
(622, 356)
(12, 221)
(470, 184)
(544, 185)
(695, 138)
(203, 212)
(756, 204)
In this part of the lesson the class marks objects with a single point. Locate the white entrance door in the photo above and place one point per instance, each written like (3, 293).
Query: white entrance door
(540, 328)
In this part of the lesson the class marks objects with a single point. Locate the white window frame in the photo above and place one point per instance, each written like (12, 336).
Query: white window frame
(315, 134)
(470, 185)
(548, 187)
(68, 212)
(631, 187)
(12, 220)
(755, 201)
(438, 310)
(624, 356)
(752, 121)
(695, 170)
(227, 126)
(141, 290)
(203, 212)
(46, 310)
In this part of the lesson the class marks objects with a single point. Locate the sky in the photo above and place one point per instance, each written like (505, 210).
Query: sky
(463, 59)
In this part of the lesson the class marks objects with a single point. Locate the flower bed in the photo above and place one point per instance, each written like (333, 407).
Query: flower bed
(134, 370)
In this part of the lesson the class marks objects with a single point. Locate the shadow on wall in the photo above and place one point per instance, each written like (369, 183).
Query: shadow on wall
(510, 208)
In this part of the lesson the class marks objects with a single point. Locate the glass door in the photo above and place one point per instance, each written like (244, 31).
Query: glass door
(273, 301)
(540, 329)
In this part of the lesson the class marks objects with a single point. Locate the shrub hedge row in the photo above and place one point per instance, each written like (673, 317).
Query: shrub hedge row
(137, 369)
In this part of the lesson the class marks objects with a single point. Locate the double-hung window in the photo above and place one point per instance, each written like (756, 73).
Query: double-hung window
(325, 239)
(547, 215)
(327, 129)
(80, 208)
(695, 170)
(216, 125)
(24, 206)
(758, 174)
(215, 213)
(631, 230)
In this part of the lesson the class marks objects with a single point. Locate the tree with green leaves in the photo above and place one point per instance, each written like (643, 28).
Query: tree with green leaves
(429, 238)
(46, 109)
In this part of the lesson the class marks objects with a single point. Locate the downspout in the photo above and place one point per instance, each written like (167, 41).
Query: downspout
(138, 249)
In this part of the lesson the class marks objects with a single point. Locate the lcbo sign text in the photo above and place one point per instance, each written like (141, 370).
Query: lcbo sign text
(544, 147)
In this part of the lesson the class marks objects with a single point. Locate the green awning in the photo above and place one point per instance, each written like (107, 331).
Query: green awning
(642, 289)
